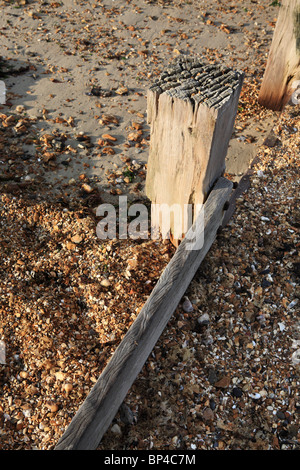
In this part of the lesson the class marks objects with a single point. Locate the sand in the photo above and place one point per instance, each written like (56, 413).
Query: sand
(67, 48)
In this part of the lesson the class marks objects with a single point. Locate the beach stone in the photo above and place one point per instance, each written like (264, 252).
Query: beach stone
(116, 429)
(208, 414)
(20, 108)
(212, 376)
(280, 414)
(237, 392)
(187, 305)
(204, 319)
(271, 140)
(212, 404)
(224, 382)
(126, 414)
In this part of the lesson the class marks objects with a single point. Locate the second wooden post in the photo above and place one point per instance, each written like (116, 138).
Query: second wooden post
(283, 65)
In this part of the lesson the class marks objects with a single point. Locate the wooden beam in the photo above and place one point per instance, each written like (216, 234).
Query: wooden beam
(101, 405)
(283, 65)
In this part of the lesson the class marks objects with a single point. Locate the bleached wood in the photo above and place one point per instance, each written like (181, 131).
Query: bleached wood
(101, 405)
(283, 65)
(191, 112)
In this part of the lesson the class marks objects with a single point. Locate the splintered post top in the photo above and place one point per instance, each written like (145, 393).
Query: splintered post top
(190, 79)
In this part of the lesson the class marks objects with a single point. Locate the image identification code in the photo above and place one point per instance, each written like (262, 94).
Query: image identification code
(151, 459)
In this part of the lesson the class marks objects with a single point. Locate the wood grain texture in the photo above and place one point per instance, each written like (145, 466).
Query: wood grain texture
(101, 405)
(191, 112)
(283, 65)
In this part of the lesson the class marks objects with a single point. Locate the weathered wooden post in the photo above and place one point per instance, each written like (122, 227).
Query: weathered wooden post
(191, 112)
(283, 65)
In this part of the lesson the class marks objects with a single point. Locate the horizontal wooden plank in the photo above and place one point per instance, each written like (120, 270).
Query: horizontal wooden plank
(101, 405)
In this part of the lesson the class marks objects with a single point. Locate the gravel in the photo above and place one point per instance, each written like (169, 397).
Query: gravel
(225, 373)
(232, 384)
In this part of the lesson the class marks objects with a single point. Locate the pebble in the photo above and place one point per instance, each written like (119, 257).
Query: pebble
(296, 357)
(224, 382)
(87, 188)
(204, 319)
(255, 396)
(212, 404)
(237, 392)
(77, 239)
(105, 283)
(280, 414)
(53, 407)
(212, 376)
(20, 108)
(126, 414)
(187, 305)
(122, 90)
(116, 429)
(67, 387)
(24, 374)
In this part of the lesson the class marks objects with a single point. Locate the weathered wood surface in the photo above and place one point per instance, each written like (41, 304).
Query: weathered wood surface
(283, 65)
(101, 405)
(191, 111)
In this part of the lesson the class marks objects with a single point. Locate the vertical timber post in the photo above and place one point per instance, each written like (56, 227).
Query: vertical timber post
(191, 111)
(283, 65)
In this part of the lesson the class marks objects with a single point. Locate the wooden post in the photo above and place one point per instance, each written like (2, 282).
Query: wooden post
(283, 65)
(191, 112)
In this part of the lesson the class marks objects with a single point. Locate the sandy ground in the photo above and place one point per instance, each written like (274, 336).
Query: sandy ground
(78, 84)
(70, 47)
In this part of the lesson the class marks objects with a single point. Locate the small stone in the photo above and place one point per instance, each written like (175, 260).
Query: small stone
(109, 137)
(255, 396)
(271, 140)
(77, 239)
(237, 392)
(137, 125)
(265, 283)
(53, 407)
(212, 376)
(293, 430)
(280, 414)
(122, 90)
(87, 188)
(296, 357)
(2, 352)
(20, 108)
(70, 245)
(67, 387)
(116, 429)
(208, 414)
(212, 404)
(187, 305)
(126, 414)
(204, 319)
(224, 382)
(105, 283)
(59, 375)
